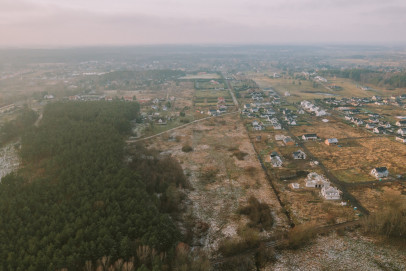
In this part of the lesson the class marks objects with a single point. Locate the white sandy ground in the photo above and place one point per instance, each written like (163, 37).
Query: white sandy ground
(351, 252)
(9, 160)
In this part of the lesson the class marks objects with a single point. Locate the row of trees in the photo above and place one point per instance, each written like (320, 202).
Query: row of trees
(75, 201)
(397, 80)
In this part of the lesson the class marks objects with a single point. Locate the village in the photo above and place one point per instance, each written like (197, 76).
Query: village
(299, 143)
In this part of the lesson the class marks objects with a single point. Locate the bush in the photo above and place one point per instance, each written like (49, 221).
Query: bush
(208, 174)
(249, 239)
(239, 264)
(239, 154)
(301, 235)
(187, 148)
(258, 213)
(390, 220)
(264, 255)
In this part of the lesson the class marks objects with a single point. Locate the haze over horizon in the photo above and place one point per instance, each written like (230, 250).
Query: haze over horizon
(36, 23)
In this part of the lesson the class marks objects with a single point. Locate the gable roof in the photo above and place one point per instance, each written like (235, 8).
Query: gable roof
(310, 135)
(381, 169)
(332, 140)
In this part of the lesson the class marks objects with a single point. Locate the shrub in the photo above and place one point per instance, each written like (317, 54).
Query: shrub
(187, 148)
(258, 213)
(249, 239)
(239, 154)
(301, 235)
(390, 220)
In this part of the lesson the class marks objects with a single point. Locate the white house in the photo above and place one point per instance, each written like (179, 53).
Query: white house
(401, 131)
(320, 112)
(299, 155)
(401, 139)
(307, 137)
(277, 126)
(279, 137)
(401, 123)
(295, 185)
(330, 193)
(331, 141)
(378, 130)
(380, 172)
(276, 161)
(315, 180)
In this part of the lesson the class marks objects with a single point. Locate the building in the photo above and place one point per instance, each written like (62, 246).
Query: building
(379, 130)
(295, 185)
(307, 137)
(316, 180)
(401, 131)
(330, 193)
(276, 161)
(288, 141)
(331, 141)
(299, 155)
(380, 172)
(401, 123)
(401, 139)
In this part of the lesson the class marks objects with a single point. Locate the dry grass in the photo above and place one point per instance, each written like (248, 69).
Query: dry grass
(230, 184)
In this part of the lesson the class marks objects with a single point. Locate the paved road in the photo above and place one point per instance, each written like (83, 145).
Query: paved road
(178, 127)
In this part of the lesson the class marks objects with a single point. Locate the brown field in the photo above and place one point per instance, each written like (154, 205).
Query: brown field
(359, 156)
(215, 199)
(333, 128)
(388, 111)
(183, 92)
(304, 204)
(372, 197)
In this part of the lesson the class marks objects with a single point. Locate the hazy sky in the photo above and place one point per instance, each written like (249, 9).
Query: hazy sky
(127, 22)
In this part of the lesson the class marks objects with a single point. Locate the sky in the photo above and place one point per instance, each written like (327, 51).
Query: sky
(50, 23)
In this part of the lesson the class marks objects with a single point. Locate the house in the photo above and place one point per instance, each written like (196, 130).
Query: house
(370, 126)
(380, 172)
(301, 112)
(401, 123)
(277, 126)
(330, 193)
(212, 112)
(161, 122)
(299, 155)
(49, 97)
(307, 137)
(331, 141)
(315, 180)
(385, 124)
(320, 112)
(257, 127)
(379, 130)
(401, 139)
(295, 185)
(401, 131)
(279, 137)
(288, 141)
(276, 161)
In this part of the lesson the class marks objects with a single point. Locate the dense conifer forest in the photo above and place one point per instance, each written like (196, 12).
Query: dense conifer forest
(78, 200)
